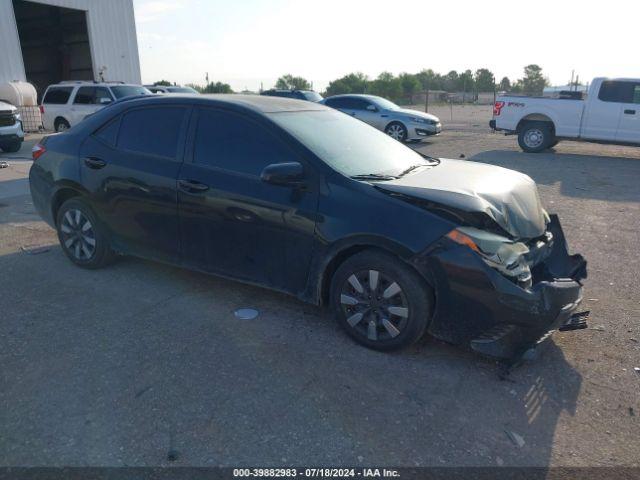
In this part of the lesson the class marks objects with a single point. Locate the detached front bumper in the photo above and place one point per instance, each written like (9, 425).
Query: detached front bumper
(479, 307)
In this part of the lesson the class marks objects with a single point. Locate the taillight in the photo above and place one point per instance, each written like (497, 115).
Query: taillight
(37, 151)
(497, 107)
(41, 109)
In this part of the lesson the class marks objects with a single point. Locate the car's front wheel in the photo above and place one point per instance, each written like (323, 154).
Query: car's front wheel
(380, 302)
(11, 147)
(396, 130)
(81, 236)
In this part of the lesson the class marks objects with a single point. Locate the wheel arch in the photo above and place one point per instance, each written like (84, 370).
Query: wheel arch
(341, 252)
(60, 118)
(62, 194)
(536, 117)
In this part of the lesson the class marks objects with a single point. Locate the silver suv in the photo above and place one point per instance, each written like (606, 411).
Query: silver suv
(68, 103)
(400, 123)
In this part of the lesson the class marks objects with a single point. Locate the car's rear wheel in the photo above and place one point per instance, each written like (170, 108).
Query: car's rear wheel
(534, 137)
(380, 302)
(81, 236)
(396, 130)
(61, 125)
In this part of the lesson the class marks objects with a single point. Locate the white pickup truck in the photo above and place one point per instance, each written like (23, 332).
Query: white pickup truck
(609, 113)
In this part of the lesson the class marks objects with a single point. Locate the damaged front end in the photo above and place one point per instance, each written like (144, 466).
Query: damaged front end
(502, 296)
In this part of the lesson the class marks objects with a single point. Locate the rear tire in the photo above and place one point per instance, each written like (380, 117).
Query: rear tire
(61, 125)
(82, 237)
(380, 302)
(534, 137)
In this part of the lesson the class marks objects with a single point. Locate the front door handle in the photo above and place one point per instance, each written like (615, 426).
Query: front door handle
(630, 112)
(191, 186)
(94, 163)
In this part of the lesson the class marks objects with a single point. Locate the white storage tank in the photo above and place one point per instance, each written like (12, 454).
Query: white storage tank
(20, 94)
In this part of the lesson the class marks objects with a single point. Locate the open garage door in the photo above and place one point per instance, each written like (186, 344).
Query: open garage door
(55, 43)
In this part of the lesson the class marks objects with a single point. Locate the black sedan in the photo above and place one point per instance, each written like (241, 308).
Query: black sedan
(301, 198)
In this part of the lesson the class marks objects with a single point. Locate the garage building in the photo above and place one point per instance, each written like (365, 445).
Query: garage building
(47, 41)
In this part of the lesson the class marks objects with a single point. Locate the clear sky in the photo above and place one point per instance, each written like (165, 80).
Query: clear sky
(246, 42)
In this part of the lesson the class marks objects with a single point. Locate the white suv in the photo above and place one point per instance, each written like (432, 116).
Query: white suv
(68, 103)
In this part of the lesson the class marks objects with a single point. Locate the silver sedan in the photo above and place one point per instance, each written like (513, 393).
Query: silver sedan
(400, 123)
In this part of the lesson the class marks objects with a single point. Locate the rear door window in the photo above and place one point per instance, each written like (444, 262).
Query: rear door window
(85, 96)
(152, 130)
(57, 95)
(616, 91)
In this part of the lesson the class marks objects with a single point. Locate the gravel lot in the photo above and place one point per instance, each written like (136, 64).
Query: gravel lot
(120, 366)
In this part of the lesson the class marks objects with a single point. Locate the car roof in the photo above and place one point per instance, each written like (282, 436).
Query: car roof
(256, 103)
(93, 84)
(358, 95)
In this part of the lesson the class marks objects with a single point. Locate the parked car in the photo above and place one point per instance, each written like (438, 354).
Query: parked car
(400, 123)
(171, 89)
(11, 132)
(308, 95)
(609, 114)
(303, 199)
(68, 103)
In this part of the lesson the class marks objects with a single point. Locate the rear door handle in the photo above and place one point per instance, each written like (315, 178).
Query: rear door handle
(190, 186)
(630, 112)
(94, 163)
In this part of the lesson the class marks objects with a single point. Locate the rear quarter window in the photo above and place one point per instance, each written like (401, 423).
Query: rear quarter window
(57, 95)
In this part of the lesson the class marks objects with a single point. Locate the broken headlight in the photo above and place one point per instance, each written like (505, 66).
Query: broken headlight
(500, 253)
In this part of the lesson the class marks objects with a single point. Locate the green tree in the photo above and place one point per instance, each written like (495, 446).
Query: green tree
(450, 81)
(217, 87)
(351, 83)
(387, 86)
(163, 83)
(505, 85)
(484, 80)
(465, 81)
(410, 85)
(429, 79)
(289, 82)
(533, 82)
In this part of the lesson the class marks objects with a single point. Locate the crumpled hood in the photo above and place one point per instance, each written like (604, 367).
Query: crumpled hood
(510, 198)
(416, 113)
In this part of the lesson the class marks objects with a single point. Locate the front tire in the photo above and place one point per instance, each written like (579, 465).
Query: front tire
(380, 302)
(12, 147)
(397, 131)
(82, 237)
(534, 137)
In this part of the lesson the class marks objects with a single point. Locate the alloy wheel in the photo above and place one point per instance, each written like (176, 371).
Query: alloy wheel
(374, 305)
(78, 236)
(396, 131)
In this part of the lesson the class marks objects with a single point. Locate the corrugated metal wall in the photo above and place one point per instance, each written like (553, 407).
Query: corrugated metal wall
(112, 34)
(11, 67)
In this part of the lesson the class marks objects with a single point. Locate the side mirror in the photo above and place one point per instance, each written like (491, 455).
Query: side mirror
(289, 174)
(372, 108)
(104, 100)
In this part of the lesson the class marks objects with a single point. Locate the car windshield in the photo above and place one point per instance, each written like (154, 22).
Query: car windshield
(350, 146)
(312, 96)
(385, 104)
(181, 90)
(121, 91)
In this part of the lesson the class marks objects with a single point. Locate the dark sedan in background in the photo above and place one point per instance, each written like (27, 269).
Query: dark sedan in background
(304, 199)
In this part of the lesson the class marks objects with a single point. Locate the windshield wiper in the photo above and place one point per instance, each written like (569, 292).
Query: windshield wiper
(373, 176)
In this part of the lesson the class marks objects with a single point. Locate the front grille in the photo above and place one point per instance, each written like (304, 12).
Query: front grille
(7, 119)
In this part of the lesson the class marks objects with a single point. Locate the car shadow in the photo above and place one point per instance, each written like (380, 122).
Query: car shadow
(134, 360)
(580, 176)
